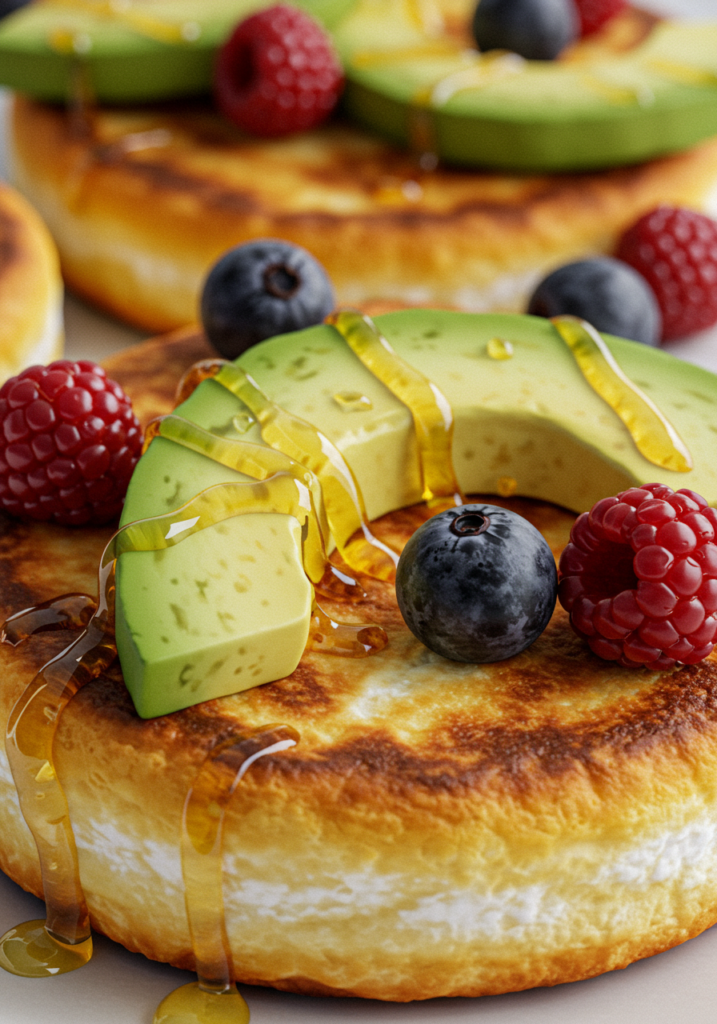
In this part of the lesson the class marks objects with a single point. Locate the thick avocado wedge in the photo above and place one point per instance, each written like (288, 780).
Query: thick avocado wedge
(229, 607)
(155, 50)
(598, 109)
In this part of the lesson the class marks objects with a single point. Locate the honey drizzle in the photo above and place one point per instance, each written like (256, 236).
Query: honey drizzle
(71, 611)
(399, 54)
(64, 941)
(483, 70)
(260, 462)
(676, 71)
(33, 720)
(255, 461)
(654, 436)
(213, 998)
(430, 409)
(141, 23)
(425, 15)
(303, 442)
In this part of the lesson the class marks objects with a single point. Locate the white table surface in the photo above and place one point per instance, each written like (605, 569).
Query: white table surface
(118, 987)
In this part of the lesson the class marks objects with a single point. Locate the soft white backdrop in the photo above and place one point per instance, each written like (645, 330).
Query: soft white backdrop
(118, 987)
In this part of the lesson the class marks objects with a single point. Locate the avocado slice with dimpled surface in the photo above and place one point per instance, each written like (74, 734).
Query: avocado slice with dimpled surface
(122, 61)
(190, 617)
(547, 116)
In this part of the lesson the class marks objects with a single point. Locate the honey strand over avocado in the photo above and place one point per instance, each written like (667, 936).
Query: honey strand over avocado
(259, 462)
(306, 444)
(213, 998)
(653, 434)
(431, 412)
(139, 21)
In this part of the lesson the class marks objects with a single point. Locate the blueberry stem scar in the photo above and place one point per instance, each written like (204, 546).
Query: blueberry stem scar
(470, 524)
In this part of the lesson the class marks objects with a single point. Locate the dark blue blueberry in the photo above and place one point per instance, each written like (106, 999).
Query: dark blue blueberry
(8, 6)
(607, 293)
(536, 29)
(477, 583)
(260, 289)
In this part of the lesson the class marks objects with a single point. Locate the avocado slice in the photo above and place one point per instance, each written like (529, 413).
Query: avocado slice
(229, 607)
(610, 109)
(157, 50)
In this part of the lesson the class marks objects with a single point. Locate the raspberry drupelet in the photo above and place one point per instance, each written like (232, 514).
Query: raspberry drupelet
(68, 445)
(639, 577)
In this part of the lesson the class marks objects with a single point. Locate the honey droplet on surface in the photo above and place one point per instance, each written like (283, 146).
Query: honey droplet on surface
(498, 348)
(192, 1004)
(507, 486)
(344, 639)
(30, 951)
(242, 422)
(352, 401)
(654, 436)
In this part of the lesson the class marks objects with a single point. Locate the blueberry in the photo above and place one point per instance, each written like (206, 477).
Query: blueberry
(8, 6)
(535, 29)
(607, 293)
(477, 583)
(260, 289)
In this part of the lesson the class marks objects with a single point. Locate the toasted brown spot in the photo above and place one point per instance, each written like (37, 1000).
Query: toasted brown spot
(10, 248)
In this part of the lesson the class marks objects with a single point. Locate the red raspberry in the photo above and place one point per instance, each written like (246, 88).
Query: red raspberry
(277, 73)
(675, 250)
(639, 577)
(68, 445)
(594, 13)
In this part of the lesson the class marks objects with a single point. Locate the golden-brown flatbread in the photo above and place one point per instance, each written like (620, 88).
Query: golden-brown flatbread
(31, 329)
(143, 201)
(441, 829)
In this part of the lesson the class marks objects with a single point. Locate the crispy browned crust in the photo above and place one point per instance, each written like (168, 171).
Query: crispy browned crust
(145, 201)
(551, 769)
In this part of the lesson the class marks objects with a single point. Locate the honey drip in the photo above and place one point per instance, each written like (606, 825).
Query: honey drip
(655, 437)
(618, 95)
(140, 22)
(260, 462)
(303, 442)
(397, 55)
(498, 348)
(483, 69)
(676, 71)
(425, 15)
(64, 941)
(205, 369)
(71, 611)
(213, 998)
(431, 411)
